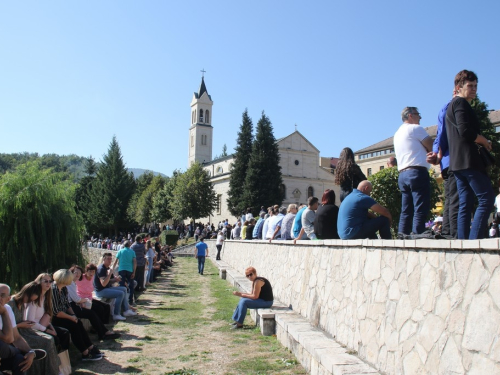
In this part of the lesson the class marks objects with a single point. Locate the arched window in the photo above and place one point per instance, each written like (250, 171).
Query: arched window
(283, 190)
(220, 170)
(310, 191)
(192, 141)
(207, 118)
(201, 115)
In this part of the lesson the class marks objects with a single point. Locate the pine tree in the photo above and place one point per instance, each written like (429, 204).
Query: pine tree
(83, 194)
(224, 151)
(488, 131)
(112, 190)
(193, 196)
(263, 178)
(162, 201)
(242, 154)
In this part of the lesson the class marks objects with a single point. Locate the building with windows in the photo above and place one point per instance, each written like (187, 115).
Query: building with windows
(304, 173)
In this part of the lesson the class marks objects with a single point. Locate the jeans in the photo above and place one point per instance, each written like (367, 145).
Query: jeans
(470, 183)
(11, 358)
(201, 264)
(118, 292)
(451, 204)
(246, 303)
(150, 270)
(371, 226)
(415, 188)
(127, 278)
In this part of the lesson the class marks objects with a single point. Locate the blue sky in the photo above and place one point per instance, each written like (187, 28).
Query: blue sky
(73, 74)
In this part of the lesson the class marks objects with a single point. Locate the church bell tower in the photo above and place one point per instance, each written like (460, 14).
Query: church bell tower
(201, 130)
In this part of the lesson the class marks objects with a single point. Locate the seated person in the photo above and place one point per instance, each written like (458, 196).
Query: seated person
(28, 294)
(15, 353)
(103, 286)
(354, 220)
(64, 316)
(85, 287)
(79, 306)
(261, 297)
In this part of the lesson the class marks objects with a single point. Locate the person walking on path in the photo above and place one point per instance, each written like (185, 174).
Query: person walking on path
(261, 297)
(201, 252)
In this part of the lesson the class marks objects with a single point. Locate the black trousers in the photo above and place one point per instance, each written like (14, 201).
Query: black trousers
(94, 319)
(103, 310)
(219, 248)
(451, 204)
(62, 339)
(78, 334)
(139, 277)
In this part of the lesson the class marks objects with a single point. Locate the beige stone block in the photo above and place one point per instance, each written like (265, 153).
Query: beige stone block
(403, 283)
(381, 292)
(382, 359)
(414, 288)
(456, 244)
(451, 359)
(431, 330)
(456, 321)
(470, 244)
(372, 265)
(394, 293)
(432, 362)
(408, 330)
(478, 277)
(491, 260)
(412, 261)
(372, 350)
(494, 287)
(483, 366)
(403, 311)
(446, 276)
(489, 243)
(427, 287)
(412, 364)
(482, 324)
(408, 244)
(417, 315)
(462, 266)
(443, 306)
(391, 363)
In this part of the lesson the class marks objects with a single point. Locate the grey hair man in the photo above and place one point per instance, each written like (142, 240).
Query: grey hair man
(308, 219)
(411, 144)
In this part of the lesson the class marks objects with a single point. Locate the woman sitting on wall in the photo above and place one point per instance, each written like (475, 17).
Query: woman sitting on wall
(85, 287)
(347, 174)
(261, 297)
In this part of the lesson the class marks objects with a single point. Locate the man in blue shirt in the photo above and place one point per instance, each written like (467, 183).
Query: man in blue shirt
(441, 154)
(257, 230)
(354, 220)
(297, 223)
(200, 252)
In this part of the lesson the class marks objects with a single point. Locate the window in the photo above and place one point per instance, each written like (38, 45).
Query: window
(283, 190)
(220, 170)
(218, 205)
(296, 162)
(207, 120)
(201, 115)
(203, 139)
(310, 191)
(192, 141)
(369, 172)
(381, 167)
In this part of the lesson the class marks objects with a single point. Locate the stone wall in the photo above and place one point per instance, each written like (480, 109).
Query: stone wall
(406, 307)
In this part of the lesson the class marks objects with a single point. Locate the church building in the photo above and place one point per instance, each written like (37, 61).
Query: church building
(302, 173)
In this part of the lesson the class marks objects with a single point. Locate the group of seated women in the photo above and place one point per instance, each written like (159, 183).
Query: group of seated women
(48, 312)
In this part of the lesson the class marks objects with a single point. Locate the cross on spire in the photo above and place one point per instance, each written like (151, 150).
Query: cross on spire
(295, 127)
(203, 71)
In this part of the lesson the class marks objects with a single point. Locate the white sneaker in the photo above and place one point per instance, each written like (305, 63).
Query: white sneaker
(119, 317)
(129, 313)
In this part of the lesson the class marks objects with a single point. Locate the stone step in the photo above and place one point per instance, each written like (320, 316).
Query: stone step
(319, 353)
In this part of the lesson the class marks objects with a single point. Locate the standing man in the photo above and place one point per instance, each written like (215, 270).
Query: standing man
(201, 252)
(354, 220)
(464, 137)
(140, 257)
(441, 154)
(411, 144)
(127, 267)
(218, 245)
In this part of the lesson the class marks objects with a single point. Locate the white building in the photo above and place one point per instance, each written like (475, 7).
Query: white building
(299, 159)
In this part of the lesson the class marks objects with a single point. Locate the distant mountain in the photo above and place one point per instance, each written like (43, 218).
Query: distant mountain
(139, 171)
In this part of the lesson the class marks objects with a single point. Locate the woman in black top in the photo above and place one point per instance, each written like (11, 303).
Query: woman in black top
(250, 227)
(348, 174)
(261, 297)
(325, 221)
(464, 138)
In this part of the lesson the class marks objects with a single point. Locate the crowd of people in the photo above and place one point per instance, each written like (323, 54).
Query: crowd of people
(38, 323)
(459, 148)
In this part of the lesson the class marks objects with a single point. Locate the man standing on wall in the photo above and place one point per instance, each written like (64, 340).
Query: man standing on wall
(201, 252)
(411, 144)
(140, 256)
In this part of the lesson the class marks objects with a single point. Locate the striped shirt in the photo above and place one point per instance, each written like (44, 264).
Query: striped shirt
(59, 300)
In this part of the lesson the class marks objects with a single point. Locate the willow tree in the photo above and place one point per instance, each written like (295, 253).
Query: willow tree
(40, 230)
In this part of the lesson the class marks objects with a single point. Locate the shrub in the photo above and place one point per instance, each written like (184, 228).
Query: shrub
(169, 237)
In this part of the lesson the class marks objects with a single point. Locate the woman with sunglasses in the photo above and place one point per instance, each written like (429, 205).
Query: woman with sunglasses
(261, 297)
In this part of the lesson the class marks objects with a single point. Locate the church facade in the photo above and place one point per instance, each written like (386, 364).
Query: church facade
(302, 173)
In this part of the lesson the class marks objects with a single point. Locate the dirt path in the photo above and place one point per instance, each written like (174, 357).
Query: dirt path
(183, 328)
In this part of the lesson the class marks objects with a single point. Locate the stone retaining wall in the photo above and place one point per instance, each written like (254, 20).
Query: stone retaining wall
(407, 307)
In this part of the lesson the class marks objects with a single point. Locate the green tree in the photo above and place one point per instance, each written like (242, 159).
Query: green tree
(83, 194)
(111, 191)
(141, 183)
(162, 201)
(40, 230)
(224, 151)
(193, 196)
(143, 214)
(243, 152)
(488, 130)
(263, 178)
(386, 192)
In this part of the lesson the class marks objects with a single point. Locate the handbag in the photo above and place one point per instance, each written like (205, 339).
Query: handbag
(486, 157)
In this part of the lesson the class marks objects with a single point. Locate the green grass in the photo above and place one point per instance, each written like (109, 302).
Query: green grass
(182, 372)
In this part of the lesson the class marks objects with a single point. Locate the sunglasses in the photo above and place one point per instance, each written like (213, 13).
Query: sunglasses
(46, 281)
(249, 275)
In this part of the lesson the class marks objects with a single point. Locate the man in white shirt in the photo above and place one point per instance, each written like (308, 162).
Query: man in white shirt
(411, 144)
